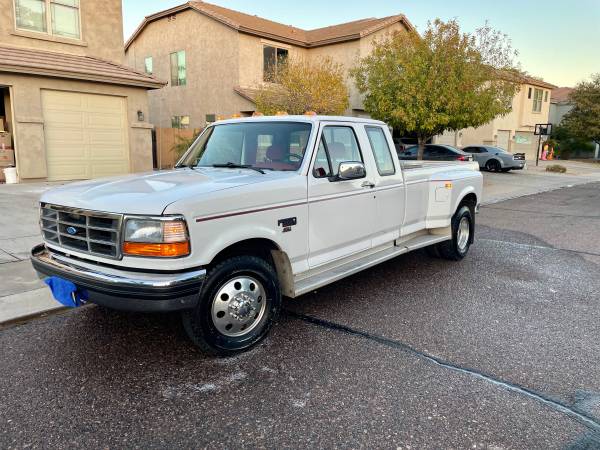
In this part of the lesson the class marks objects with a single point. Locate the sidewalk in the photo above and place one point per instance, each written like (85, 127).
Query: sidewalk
(23, 294)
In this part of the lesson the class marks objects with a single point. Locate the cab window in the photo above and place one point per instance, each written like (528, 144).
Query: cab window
(381, 151)
(338, 144)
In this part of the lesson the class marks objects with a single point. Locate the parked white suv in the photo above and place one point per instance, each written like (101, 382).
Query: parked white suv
(257, 209)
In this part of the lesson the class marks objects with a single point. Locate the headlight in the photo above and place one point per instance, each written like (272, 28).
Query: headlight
(162, 238)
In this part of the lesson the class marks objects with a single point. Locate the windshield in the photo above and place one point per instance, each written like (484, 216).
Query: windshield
(497, 149)
(262, 145)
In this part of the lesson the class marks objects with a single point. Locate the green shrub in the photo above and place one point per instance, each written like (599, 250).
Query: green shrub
(556, 168)
(567, 145)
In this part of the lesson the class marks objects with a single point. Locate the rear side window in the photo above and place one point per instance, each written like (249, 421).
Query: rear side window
(338, 144)
(472, 150)
(437, 150)
(381, 151)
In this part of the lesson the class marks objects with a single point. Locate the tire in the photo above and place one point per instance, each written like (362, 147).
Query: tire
(239, 302)
(458, 247)
(492, 166)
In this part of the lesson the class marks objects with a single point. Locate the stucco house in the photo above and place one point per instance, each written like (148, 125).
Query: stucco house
(515, 131)
(214, 57)
(560, 104)
(71, 106)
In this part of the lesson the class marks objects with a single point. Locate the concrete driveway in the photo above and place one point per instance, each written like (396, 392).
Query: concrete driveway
(497, 351)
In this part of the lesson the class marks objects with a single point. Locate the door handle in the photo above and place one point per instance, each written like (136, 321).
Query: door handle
(368, 184)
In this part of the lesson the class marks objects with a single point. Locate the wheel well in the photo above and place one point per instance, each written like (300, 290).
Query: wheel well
(251, 247)
(267, 250)
(470, 200)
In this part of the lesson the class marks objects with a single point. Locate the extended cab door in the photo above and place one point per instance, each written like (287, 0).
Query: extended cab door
(341, 213)
(389, 190)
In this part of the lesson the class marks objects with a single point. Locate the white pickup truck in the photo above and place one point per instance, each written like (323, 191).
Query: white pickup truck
(256, 209)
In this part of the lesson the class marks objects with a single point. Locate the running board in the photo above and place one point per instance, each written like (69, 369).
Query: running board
(350, 268)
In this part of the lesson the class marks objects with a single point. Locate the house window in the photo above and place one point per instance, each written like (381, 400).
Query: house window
(537, 100)
(545, 96)
(272, 58)
(529, 94)
(148, 65)
(54, 17)
(210, 118)
(181, 122)
(178, 72)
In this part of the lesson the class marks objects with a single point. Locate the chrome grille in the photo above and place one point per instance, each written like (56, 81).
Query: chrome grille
(81, 230)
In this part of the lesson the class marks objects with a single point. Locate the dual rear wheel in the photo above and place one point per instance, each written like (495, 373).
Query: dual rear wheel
(463, 229)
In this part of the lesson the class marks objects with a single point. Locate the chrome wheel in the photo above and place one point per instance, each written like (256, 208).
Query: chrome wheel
(238, 306)
(463, 233)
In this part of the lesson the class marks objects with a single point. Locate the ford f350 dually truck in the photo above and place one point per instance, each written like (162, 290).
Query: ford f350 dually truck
(258, 208)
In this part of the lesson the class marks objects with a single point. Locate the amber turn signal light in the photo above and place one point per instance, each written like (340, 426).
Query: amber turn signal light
(166, 250)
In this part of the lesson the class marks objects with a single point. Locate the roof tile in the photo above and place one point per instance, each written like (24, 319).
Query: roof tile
(63, 65)
(287, 33)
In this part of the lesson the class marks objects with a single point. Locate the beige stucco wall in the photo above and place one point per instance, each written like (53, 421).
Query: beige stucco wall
(212, 68)
(101, 31)
(522, 117)
(28, 120)
(473, 136)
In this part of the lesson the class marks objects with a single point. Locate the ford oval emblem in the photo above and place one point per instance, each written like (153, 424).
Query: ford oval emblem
(72, 231)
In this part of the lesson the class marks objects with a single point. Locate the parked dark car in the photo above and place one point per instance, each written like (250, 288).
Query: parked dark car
(436, 152)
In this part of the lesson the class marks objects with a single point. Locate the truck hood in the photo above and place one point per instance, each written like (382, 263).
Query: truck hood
(151, 193)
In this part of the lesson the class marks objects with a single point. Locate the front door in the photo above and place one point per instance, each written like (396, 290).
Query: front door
(341, 213)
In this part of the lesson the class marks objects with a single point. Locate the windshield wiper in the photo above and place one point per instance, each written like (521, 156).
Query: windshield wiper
(230, 165)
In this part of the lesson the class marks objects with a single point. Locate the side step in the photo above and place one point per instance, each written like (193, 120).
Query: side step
(350, 268)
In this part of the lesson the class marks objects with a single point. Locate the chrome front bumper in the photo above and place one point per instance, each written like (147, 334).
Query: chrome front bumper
(123, 289)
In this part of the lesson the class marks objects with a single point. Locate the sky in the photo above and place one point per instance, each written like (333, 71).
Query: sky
(557, 40)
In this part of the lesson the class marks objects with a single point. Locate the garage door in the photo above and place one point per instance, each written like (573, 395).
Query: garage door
(525, 142)
(86, 135)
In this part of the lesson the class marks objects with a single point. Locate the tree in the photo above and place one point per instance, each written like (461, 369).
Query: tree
(443, 80)
(583, 121)
(302, 85)
(566, 143)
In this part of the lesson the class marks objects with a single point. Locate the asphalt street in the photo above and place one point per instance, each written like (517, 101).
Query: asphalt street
(498, 351)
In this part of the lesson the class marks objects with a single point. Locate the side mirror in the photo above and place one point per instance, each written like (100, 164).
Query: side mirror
(351, 170)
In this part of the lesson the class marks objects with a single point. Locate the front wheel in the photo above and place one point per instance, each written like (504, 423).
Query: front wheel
(238, 304)
(463, 228)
